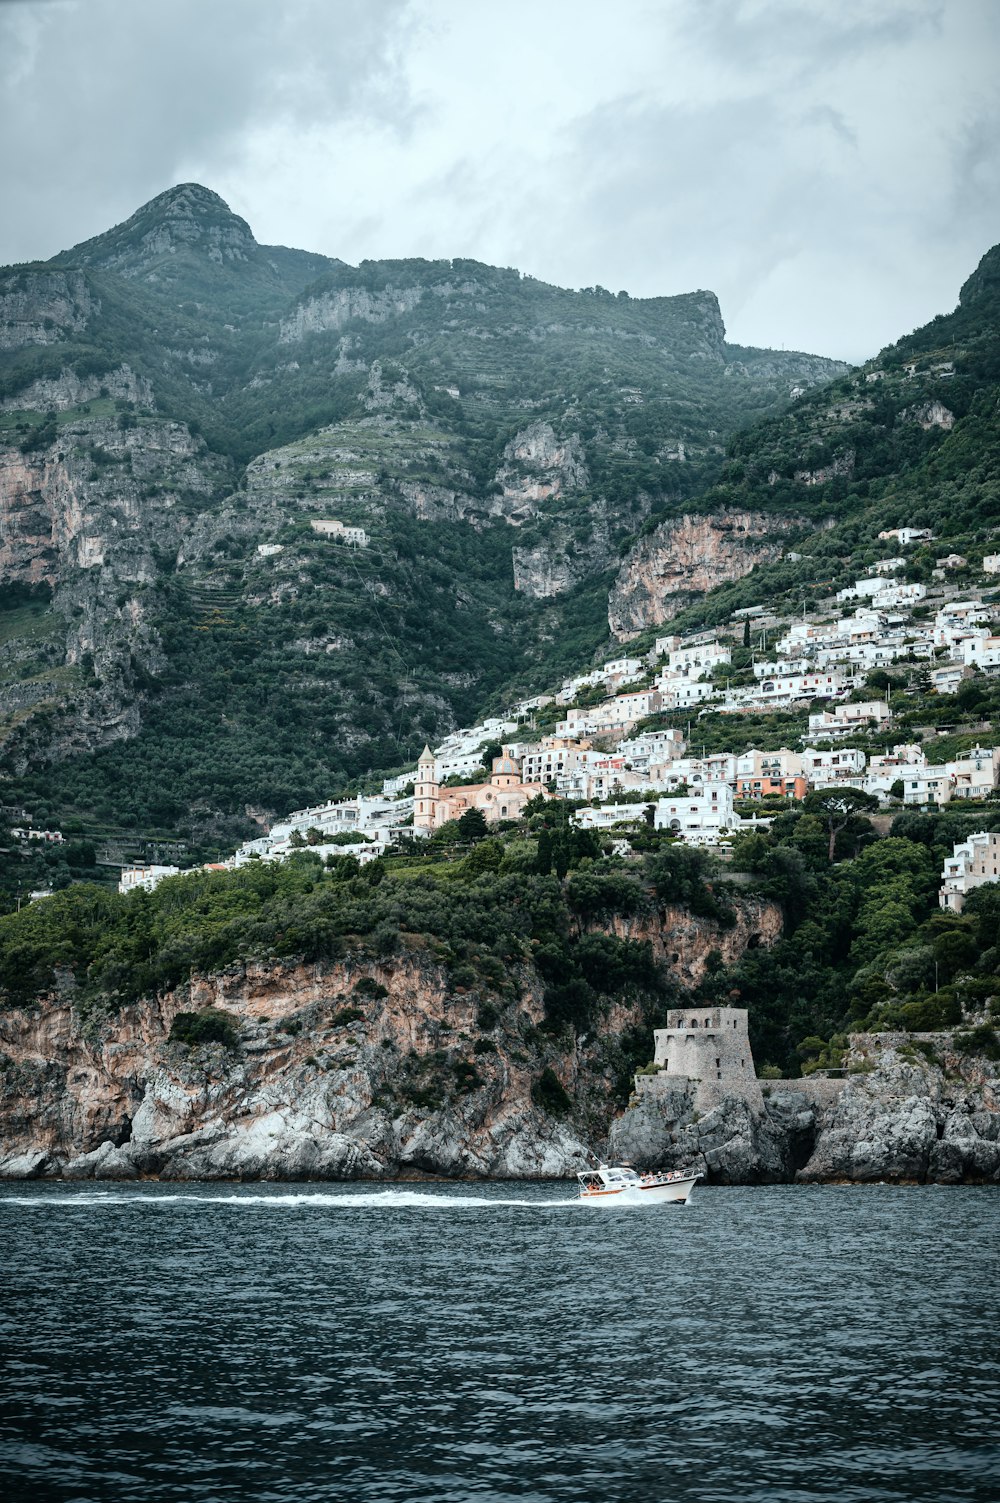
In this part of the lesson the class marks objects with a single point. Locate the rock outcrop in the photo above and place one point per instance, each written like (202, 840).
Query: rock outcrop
(913, 1109)
(686, 556)
(917, 1109)
(359, 1068)
(326, 1080)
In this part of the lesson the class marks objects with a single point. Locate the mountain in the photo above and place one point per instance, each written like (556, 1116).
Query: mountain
(912, 438)
(181, 650)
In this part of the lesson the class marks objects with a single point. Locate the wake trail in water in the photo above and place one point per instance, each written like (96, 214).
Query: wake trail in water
(366, 1200)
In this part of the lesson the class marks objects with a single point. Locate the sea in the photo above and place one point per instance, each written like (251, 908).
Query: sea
(478, 1344)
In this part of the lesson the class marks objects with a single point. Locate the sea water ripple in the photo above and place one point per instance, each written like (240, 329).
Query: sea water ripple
(445, 1344)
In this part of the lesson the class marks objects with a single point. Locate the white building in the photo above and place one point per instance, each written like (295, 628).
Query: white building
(618, 714)
(681, 693)
(947, 677)
(813, 685)
(355, 537)
(862, 589)
(991, 563)
(892, 595)
(653, 747)
(927, 785)
(770, 764)
(959, 620)
(550, 759)
(981, 652)
(907, 535)
(365, 814)
(698, 818)
(845, 719)
(974, 776)
(697, 658)
(143, 876)
(825, 767)
(971, 864)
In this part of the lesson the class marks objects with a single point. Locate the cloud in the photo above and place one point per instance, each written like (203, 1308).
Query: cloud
(103, 100)
(831, 171)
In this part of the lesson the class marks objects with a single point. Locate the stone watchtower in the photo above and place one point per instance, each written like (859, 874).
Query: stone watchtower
(710, 1047)
(426, 791)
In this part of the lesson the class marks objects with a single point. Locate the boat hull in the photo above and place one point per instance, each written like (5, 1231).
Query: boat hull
(673, 1192)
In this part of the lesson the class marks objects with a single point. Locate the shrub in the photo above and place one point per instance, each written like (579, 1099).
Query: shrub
(209, 1026)
(549, 1093)
(466, 1075)
(346, 1015)
(367, 986)
(982, 1040)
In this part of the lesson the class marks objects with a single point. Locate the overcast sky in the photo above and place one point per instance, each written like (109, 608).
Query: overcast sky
(831, 168)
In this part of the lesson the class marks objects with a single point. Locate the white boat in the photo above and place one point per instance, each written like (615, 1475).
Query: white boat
(619, 1184)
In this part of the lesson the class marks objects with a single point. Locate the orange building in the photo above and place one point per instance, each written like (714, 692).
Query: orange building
(772, 787)
(502, 797)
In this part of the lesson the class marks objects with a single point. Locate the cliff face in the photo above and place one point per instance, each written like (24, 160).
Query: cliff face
(683, 942)
(919, 1109)
(341, 1070)
(326, 1082)
(685, 557)
(90, 517)
(43, 307)
(913, 1109)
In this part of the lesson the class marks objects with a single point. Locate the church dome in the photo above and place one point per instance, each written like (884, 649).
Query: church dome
(505, 767)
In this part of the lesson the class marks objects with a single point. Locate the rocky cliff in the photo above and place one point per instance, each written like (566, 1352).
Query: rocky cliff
(356, 1068)
(687, 556)
(913, 1109)
(328, 1079)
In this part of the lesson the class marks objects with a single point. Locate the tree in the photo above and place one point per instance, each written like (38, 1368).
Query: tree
(746, 632)
(472, 825)
(837, 807)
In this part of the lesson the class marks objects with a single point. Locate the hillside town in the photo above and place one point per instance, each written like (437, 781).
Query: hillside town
(595, 740)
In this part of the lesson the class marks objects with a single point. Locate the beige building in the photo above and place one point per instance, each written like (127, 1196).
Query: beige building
(707, 1048)
(973, 862)
(503, 796)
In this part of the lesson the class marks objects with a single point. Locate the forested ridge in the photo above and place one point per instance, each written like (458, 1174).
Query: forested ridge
(863, 943)
(501, 440)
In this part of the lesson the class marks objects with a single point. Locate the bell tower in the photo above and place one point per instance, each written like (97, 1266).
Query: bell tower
(425, 792)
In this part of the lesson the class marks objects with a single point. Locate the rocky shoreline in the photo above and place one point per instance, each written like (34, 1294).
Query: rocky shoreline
(332, 1074)
(911, 1109)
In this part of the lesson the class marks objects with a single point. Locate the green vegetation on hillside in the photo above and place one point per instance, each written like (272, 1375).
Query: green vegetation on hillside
(864, 943)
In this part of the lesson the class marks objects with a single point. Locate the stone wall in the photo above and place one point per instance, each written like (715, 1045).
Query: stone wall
(818, 1090)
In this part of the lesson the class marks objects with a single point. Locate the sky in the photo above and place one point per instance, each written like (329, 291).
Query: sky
(830, 168)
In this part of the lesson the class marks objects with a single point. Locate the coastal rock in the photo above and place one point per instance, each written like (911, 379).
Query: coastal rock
(730, 1145)
(916, 1110)
(303, 1094)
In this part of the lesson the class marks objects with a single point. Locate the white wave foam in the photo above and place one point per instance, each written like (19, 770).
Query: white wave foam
(348, 1200)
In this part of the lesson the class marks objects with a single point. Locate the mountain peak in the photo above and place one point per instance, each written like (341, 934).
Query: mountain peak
(186, 198)
(188, 219)
(985, 280)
